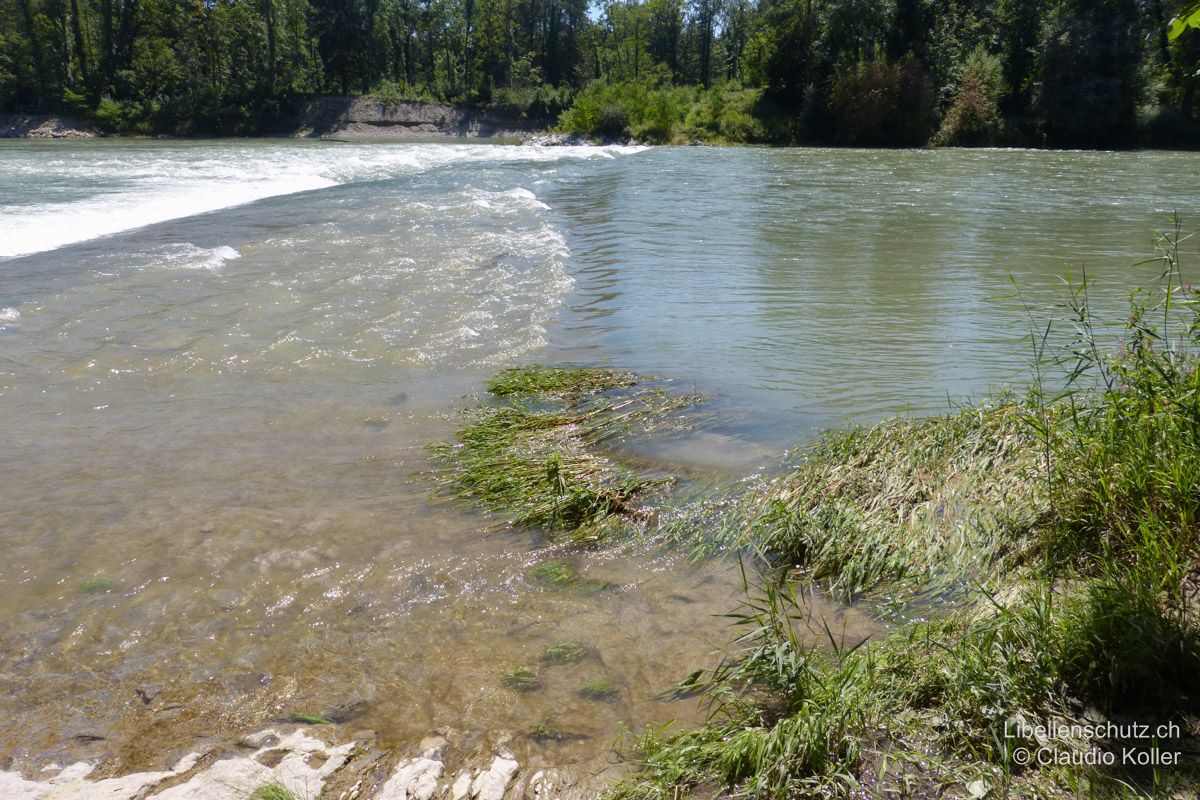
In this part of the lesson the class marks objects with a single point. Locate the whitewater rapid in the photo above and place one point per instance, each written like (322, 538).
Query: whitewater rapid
(52, 199)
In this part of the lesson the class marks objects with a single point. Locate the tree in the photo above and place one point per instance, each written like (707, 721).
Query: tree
(1090, 86)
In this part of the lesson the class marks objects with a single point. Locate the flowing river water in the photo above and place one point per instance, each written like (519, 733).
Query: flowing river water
(221, 364)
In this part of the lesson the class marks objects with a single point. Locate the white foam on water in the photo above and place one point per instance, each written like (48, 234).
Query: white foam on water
(190, 256)
(513, 199)
(9, 315)
(47, 226)
(121, 189)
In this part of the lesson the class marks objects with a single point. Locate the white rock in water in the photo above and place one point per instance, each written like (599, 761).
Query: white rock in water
(226, 779)
(416, 778)
(461, 787)
(490, 784)
(77, 771)
(15, 787)
(235, 778)
(71, 784)
(540, 784)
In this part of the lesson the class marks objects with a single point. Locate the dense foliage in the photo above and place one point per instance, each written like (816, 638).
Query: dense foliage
(870, 72)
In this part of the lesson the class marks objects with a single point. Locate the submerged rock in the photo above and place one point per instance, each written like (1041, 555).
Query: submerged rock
(491, 783)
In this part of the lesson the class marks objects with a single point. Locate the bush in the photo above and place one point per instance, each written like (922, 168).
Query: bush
(540, 104)
(974, 116)
(110, 115)
(664, 114)
(396, 91)
(725, 113)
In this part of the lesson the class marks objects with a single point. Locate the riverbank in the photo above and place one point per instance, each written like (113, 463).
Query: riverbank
(1036, 561)
(601, 114)
(344, 118)
(347, 119)
(45, 126)
(1038, 558)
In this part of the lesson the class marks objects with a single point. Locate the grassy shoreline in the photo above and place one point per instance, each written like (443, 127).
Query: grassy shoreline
(1039, 558)
(1057, 537)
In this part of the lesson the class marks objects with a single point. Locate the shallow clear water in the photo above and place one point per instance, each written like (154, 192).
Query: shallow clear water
(220, 364)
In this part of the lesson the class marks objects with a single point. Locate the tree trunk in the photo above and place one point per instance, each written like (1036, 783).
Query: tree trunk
(80, 50)
(268, 12)
(35, 47)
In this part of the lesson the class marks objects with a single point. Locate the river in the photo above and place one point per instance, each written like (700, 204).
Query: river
(221, 364)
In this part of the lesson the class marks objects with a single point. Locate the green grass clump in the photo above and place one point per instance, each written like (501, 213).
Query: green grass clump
(564, 652)
(539, 456)
(598, 690)
(940, 698)
(559, 383)
(555, 574)
(273, 791)
(905, 507)
(98, 585)
(306, 718)
(547, 732)
(522, 679)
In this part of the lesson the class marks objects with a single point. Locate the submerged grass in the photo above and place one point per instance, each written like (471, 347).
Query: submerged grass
(558, 383)
(1063, 526)
(538, 453)
(98, 585)
(555, 574)
(564, 652)
(522, 679)
(598, 690)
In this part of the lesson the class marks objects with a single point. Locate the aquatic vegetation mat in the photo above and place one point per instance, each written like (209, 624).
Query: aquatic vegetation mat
(919, 505)
(538, 453)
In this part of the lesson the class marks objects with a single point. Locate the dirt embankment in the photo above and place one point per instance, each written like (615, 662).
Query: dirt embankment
(373, 118)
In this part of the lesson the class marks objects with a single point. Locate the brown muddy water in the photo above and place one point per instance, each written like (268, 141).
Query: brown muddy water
(221, 364)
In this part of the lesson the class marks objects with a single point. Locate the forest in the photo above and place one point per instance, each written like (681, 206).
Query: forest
(1058, 73)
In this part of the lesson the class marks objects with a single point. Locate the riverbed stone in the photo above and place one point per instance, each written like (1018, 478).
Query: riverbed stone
(300, 762)
(462, 787)
(414, 779)
(491, 783)
(71, 783)
(234, 778)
